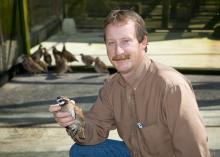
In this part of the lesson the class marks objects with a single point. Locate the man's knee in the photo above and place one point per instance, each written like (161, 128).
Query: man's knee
(73, 150)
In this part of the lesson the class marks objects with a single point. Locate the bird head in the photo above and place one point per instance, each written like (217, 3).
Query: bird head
(40, 46)
(97, 59)
(61, 100)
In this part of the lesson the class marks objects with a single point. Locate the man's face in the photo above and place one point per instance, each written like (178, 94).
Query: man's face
(124, 51)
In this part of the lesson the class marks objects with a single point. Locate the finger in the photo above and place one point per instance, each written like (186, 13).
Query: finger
(62, 114)
(65, 121)
(66, 124)
(54, 108)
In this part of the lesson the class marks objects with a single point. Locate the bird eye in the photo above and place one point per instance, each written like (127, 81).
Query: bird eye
(60, 101)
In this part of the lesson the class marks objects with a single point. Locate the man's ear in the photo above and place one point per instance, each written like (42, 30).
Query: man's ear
(144, 42)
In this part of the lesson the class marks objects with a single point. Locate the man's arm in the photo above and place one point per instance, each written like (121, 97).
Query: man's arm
(98, 121)
(185, 123)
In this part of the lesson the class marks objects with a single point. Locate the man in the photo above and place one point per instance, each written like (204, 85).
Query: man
(152, 106)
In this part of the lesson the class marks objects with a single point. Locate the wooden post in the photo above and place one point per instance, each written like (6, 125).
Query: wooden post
(165, 13)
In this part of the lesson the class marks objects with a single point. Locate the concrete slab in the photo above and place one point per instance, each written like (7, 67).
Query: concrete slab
(29, 130)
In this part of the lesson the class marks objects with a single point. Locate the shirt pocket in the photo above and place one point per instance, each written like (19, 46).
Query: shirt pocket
(155, 138)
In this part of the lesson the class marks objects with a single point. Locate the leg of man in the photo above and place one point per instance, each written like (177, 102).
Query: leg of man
(108, 148)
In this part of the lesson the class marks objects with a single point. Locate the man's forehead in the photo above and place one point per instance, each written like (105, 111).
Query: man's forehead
(120, 30)
(122, 23)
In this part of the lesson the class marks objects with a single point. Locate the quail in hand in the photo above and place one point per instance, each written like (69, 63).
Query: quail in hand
(68, 105)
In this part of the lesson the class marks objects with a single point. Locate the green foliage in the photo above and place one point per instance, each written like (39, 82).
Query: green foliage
(6, 17)
(24, 27)
(13, 23)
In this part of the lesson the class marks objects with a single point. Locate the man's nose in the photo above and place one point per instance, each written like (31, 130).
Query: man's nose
(119, 50)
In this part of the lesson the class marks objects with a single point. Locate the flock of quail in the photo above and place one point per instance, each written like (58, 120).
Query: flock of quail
(35, 64)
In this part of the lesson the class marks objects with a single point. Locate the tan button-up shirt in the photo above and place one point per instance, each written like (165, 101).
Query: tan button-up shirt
(155, 113)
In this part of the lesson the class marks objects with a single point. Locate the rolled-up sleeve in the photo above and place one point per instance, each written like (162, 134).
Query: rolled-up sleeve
(184, 121)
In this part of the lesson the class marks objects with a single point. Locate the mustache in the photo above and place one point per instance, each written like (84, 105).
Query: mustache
(121, 57)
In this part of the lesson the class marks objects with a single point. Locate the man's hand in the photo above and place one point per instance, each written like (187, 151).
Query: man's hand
(64, 119)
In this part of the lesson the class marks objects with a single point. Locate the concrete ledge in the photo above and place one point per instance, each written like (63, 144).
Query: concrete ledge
(18, 69)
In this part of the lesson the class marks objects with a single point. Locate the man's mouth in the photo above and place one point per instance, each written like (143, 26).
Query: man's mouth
(121, 57)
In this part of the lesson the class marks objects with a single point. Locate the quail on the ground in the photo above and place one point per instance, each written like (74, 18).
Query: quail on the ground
(87, 59)
(43, 64)
(68, 55)
(37, 54)
(31, 66)
(100, 66)
(47, 57)
(61, 65)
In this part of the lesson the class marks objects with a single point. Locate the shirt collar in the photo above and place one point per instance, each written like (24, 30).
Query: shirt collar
(138, 74)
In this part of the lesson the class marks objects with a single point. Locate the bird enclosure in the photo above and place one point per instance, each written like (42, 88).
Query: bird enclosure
(14, 29)
(20, 29)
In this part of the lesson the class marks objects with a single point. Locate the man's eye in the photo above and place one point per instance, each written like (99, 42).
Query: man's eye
(111, 43)
(125, 41)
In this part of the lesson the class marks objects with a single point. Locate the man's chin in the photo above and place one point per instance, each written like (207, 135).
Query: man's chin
(123, 70)
(123, 66)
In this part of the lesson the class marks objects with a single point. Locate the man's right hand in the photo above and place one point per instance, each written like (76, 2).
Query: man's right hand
(64, 119)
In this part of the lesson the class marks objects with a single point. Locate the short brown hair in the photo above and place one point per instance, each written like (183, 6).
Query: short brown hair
(124, 15)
